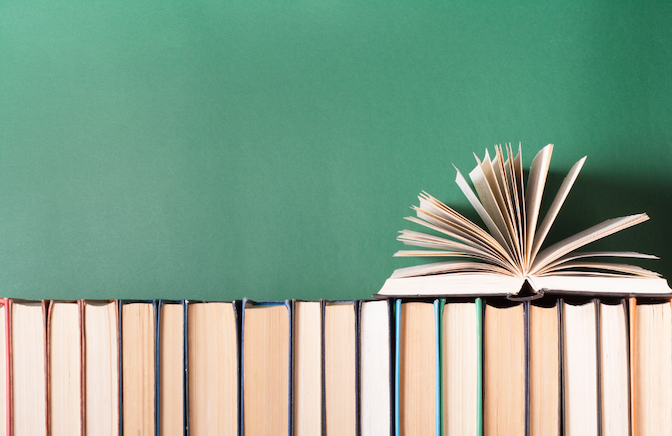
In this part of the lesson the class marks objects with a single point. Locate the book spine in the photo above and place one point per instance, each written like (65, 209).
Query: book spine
(47, 364)
(5, 302)
(437, 342)
(323, 305)
(479, 354)
(632, 317)
(157, 376)
(392, 339)
(439, 369)
(120, 368)
(397, 358)
(526, 333)
(82, 375)
(185, 357)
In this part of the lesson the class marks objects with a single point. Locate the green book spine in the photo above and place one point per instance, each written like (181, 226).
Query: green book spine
(479, 382)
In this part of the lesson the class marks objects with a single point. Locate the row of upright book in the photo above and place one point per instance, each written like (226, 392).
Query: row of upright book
(387, 367)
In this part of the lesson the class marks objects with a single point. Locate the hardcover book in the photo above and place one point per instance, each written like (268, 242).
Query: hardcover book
(340, 367)
(417, 368)
(64, 368)
(213, 370)
(171, 368)
(101, 367)
(506, 257)
(307, 392)
(266, 375)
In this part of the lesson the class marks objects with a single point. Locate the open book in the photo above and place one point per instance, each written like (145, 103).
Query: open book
(508, 259)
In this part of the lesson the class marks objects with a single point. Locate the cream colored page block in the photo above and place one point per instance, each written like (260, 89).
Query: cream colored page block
(375, 369)
(339, 333)
(417, 396)
(504, 371)
(544, 371)
(65, 370)
(307, 368)
(213, 370)
(460, 369)
(28, 364)
(615, 378)
(102, 382)
(138, 368)
(171, 364)
(653, 378)
(3, 369)
(580, 359)
(266, 368)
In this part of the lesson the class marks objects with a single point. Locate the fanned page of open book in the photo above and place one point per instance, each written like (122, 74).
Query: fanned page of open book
(512, 244)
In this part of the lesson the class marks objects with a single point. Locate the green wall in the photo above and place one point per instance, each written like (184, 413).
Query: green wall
(214, 150)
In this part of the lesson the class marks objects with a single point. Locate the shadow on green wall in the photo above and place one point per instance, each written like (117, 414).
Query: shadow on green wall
(594, 199)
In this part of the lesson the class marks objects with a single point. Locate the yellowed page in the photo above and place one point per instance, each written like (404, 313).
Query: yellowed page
(137, 328)
(29, 390)
(266, 370)
(213, 370)
(171, 374)
(339, 367)
(307, 368)
(65, 372)
(102, 369)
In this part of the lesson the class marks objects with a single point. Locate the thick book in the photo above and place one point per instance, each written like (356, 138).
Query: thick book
(213, 369)
(340, 367)
(376, 378)
(580, 372)
(461, 368)
(614, 368)
(507, 258)
(652, 368)
(64, 370)
(170, 368)
(137, 351)
(28, 367)
(307, 392)
(544, 368)
(418, 368)
(101, 367)
(266, 368)
(504, 370)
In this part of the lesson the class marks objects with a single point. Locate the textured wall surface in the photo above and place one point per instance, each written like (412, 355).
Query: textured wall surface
(214, 150)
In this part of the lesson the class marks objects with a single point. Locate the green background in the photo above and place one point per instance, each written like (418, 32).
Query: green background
(269, 149)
